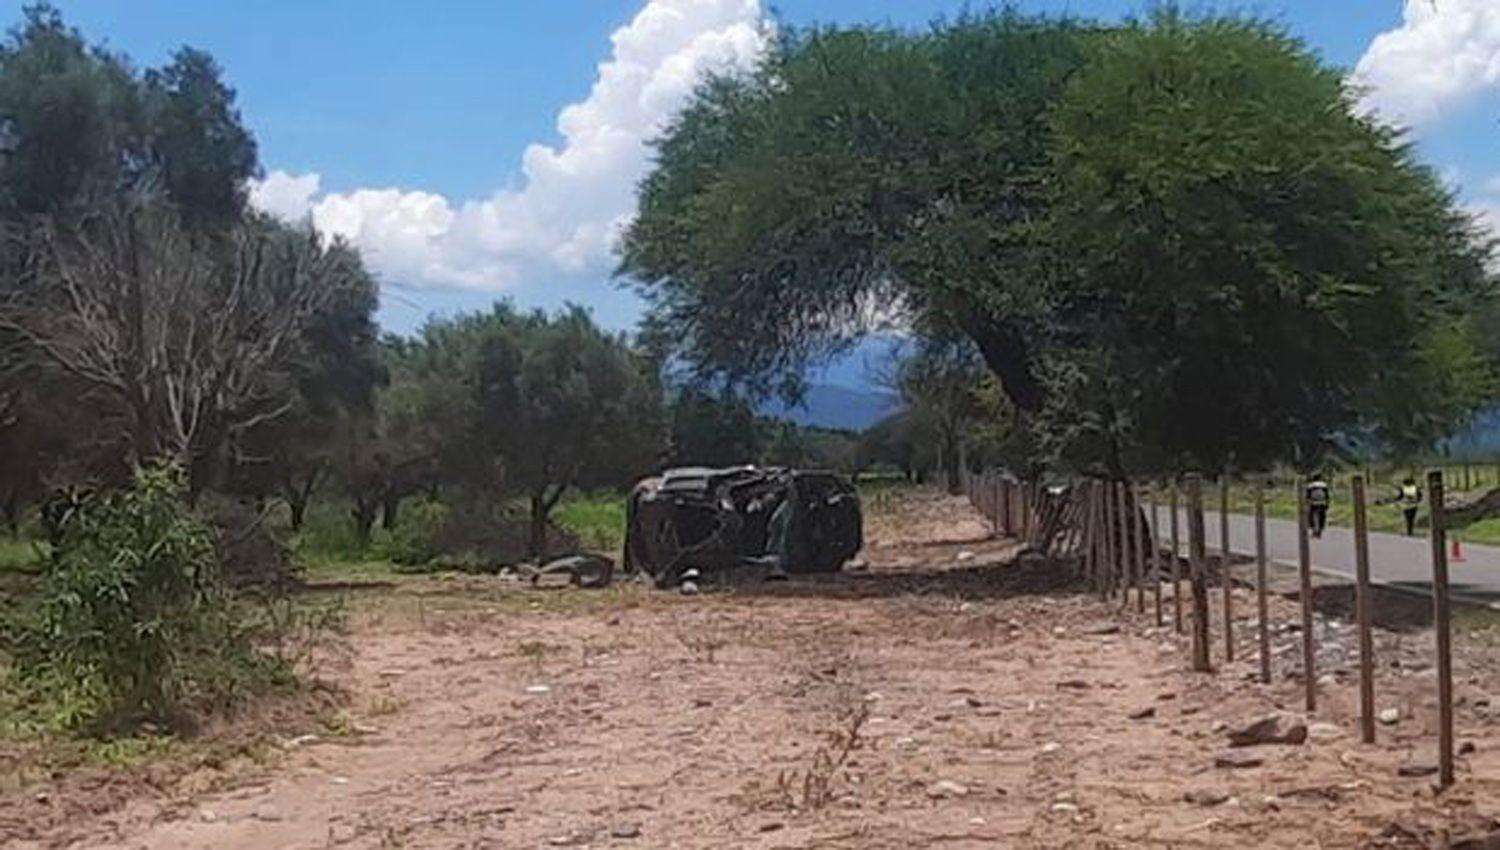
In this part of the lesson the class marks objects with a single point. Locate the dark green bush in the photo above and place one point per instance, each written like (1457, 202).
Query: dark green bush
(134, 623)
(415, 539)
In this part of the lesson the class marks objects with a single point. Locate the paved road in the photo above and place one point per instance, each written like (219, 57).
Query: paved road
(1400, 562)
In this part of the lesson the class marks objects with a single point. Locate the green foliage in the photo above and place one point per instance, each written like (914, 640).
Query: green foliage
(710, 430)
(133, 623)
(533, 405)
(414, 540)
(1227, 214)
(81, 126)
(1174, 241)
(597, 518)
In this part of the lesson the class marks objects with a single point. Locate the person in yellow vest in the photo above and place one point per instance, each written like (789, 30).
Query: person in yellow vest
(1409, 497)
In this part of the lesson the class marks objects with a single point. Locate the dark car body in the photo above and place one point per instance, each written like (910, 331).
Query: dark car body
(716, 519)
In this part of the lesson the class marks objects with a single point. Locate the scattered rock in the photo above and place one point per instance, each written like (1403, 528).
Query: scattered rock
(772, 826)
(538, 689)
(1205, 797)
(1466, 748)
(626, 830)
(1100, 629)
(1238, 759)
(1268, 731)
(1219, 726)
(965, 555)
(688, 588)
(1416, 769)
(1190, 709)
(946, 788)
(1065, 808)
(1050, 747)
(1324, 732)
(1073, 684)
(1389, 716)
(1166, 697)
(1143, 713)
(300, 741)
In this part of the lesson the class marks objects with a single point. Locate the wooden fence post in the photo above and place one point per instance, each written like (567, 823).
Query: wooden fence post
(1304, 571)
(995, 515)
(1176, 563)
(1123, 528)
(1197, 556)
(1226, 574)
(1442, 624)
(1156, 554)
(1138, 530)
(1096, 536)
(1362, 614)
(1263, 610)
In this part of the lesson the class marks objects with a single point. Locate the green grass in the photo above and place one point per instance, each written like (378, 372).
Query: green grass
(597, 518)
(21, 556)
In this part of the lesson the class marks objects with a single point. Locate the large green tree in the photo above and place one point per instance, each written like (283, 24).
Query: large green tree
(1174, 241)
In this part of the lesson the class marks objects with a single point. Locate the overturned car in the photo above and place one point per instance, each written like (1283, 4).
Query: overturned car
(697, 520)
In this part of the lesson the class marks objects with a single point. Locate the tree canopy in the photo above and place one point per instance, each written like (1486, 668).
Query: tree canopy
(1174, 241)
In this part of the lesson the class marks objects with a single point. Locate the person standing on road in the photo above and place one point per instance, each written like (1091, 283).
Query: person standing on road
(1409, 496)
(1319, 494)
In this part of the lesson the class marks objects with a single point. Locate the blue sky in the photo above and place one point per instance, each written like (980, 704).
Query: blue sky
(430, 133)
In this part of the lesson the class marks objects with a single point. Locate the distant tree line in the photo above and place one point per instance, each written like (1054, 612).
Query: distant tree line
(148, 314)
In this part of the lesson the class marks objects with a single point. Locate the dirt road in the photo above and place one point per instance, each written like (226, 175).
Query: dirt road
(928, 702)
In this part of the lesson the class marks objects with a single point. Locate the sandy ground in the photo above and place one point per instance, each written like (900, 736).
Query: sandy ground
(939, 699)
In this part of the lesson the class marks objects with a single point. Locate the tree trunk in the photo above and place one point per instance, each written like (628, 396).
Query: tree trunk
(363, 513)
(538, 542)
(390, 507)
(298, 506)
(13, 516)
(951, 463)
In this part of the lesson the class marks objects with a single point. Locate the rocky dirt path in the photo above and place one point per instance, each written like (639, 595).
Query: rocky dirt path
(925, 703)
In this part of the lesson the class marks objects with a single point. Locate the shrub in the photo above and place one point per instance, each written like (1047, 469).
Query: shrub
(414, 541)
(134, 623)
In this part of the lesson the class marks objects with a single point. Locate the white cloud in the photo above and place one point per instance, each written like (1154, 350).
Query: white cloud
(574, 198)
(1444, 53)
(285, 195)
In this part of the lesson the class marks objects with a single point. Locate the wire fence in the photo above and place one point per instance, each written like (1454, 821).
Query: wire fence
(1111, 534)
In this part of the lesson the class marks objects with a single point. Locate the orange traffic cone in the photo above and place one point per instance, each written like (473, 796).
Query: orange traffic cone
(1456, 550)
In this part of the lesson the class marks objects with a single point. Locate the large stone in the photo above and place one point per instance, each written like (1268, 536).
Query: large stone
(1268, 731)
(1389, 716)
